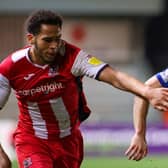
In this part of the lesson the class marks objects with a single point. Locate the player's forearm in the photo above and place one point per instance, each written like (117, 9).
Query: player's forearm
(123, 81)
(140, 111)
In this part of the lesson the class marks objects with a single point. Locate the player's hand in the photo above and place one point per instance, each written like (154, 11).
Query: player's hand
(4, 160)
(158, 98)
(137, 149)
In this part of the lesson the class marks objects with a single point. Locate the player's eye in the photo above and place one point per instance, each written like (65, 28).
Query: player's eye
(48, 40)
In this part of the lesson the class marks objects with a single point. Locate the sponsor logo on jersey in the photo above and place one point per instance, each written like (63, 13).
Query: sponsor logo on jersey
(29, 76)
(45, 89)
(94, 61)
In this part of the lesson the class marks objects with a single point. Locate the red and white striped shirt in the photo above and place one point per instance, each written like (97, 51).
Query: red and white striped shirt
(47, 96)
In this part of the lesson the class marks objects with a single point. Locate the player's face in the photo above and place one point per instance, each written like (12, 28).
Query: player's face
(46, 44)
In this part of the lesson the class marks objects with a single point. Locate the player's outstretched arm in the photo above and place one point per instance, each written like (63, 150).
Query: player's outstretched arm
(158, 97)
(4, 159)
(138, 146)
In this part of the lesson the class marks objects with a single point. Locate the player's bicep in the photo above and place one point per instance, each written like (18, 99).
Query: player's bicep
(5, 90)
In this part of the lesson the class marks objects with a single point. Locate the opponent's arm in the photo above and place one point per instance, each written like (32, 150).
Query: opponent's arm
(158, 97)
(138, 147)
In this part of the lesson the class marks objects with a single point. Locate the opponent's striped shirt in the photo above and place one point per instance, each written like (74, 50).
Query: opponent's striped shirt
(163, 77)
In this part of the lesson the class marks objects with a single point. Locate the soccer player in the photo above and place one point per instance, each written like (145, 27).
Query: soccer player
(46, 77)
(138, 147)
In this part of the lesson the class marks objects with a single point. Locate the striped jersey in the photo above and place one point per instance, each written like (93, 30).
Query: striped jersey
(163, 77)
(47, 95)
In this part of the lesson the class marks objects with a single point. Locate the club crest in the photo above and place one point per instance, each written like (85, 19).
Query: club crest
(53, 71)
(27, 162)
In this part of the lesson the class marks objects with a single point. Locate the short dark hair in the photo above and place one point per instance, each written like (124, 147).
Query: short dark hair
(39, 17)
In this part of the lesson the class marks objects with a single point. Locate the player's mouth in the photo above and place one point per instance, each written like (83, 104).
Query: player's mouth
(51, 55)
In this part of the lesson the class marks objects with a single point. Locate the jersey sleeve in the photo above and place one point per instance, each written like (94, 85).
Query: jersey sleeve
(163, 77)
(87, 65)
(5, 90)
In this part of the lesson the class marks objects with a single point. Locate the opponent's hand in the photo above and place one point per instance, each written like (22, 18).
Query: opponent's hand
(158, 98)
(4, 159)
(137, 149)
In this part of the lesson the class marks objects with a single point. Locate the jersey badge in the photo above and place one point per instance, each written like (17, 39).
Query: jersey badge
(53, 71)
(94, 61)
(27, 163)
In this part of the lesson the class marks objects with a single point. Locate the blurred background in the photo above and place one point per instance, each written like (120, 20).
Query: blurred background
(131, 35)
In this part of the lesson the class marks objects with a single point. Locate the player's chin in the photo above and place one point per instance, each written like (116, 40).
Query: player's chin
(49, 59)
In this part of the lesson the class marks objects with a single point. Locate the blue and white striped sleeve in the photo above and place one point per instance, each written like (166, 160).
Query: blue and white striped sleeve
(163, 77)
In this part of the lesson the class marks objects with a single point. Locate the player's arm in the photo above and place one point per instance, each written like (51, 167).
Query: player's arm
(4, 159)
(158, 97)
(88, 65)
(138, 147)
(5, 90)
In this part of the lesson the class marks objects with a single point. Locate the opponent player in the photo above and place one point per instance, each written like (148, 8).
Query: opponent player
(46, 78)
(138, 147)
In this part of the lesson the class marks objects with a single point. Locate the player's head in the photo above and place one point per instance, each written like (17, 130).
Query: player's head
(44, 36)
(40, 17)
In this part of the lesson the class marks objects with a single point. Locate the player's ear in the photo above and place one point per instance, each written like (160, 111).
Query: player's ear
(30, 38)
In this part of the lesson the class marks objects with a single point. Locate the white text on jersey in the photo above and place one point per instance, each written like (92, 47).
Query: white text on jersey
(48, 88)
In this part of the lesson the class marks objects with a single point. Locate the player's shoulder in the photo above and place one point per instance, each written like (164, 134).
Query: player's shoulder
(16, 56)
(71, 48)
(13, 60)
(19, 54)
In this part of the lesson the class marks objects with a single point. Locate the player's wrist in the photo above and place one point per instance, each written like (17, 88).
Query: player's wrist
(140, 133)
(147, 92)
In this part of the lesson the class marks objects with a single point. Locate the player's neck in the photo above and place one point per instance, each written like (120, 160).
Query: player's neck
(33, 57)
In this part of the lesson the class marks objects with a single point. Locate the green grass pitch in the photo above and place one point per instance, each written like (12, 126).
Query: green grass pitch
(121, 162)
(148, 162)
